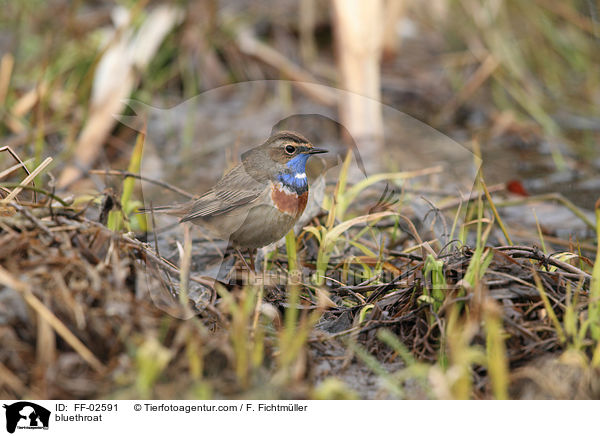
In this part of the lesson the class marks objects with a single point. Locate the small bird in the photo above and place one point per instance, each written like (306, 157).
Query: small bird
(258, 201)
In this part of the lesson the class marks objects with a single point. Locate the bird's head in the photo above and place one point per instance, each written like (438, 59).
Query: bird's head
(285, 152)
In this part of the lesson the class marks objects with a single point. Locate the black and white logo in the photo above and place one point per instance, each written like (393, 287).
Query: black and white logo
(26, 415)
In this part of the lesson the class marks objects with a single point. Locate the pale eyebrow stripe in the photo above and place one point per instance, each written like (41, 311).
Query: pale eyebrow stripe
(291, 137)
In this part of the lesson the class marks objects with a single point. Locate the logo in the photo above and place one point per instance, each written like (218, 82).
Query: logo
(26, 415)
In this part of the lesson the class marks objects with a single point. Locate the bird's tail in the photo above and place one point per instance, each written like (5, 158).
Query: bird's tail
(176, 209)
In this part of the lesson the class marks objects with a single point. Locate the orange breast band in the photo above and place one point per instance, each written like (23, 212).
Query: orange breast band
(287, 201)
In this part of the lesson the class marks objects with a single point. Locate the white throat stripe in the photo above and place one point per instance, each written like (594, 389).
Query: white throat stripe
(300, 176)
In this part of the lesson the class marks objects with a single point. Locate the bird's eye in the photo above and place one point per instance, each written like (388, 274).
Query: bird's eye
(290, 149)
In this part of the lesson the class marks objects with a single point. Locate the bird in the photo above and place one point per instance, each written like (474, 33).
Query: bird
(259, 200)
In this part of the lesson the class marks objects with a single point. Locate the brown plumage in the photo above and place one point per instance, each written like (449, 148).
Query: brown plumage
(258, 201)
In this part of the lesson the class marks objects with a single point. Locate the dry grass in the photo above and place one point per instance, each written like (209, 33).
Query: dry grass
(80, 322)
(90, 310)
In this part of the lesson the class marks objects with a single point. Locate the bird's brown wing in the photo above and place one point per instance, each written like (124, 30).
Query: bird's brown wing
(235, 189)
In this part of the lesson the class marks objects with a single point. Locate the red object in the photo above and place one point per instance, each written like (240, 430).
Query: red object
(516, 187)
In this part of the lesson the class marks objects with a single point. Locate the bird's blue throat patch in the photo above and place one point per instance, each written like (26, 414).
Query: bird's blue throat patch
(295, 177)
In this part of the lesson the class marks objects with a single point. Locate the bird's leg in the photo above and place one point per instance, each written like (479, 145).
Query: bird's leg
(251, 252)
(243, 260)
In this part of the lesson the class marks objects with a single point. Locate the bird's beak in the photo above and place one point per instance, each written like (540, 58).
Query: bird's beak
(316, 150)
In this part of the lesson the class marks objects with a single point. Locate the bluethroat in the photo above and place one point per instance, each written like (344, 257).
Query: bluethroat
(258, 201)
